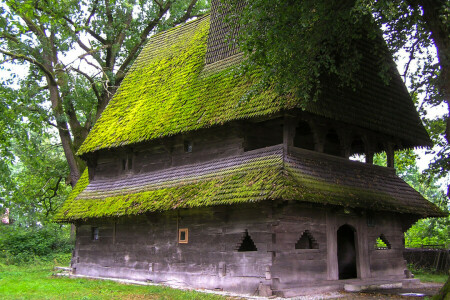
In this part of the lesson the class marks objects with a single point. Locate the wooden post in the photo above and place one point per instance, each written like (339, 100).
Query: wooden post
(288, 131)
(332, 262)
(319, 132)
(345, 141)
(368, 148)
(390, 155)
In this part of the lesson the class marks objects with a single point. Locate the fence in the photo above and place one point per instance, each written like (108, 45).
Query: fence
(431, 257)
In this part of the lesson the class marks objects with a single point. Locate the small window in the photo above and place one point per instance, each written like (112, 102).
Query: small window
(127, 163)
(183, 236)
(382, 243)
(247, 244)
(306, 241)
(95, 233)
(370, 220)
(187, 146)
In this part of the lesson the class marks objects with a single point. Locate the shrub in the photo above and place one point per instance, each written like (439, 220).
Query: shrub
(24, 244)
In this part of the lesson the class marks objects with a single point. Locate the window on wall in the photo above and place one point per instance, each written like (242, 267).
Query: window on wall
(183, 237)
(247, 244)
(304, 137)
(332, 143)
(94, 233)
(370, 220)
(382, 243)
(306, 241)
(188, 146)
(127, 163)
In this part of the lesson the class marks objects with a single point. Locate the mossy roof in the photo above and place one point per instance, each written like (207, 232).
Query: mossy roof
(170, 90)
(263, 174)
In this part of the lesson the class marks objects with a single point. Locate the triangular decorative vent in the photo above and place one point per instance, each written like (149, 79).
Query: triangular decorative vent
(247, 244)
(382, 243)
(306, 241)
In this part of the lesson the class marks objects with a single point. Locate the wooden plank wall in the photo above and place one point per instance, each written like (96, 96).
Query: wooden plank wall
(296, 267)
(146, 157)
(146, 247)
(387, 262)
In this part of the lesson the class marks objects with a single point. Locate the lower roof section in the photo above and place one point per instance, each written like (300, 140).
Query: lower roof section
(270, 173)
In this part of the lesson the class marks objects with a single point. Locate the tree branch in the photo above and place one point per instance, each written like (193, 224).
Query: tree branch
(144, 36)
(188, 13)
(32, 61)
(94, 8)
(91, 81)
(411, 58)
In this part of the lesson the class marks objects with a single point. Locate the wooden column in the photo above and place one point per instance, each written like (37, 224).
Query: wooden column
(345, 140)
(369, 151)
(289, 131)
(319, 132)
(390, 155)
(332, 262)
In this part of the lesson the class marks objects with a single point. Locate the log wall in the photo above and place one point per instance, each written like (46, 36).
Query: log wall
(146, 247)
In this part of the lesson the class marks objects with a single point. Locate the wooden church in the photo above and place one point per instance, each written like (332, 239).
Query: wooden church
(187, 184)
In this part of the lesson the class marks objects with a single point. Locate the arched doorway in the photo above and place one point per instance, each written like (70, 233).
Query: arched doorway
(346, 252)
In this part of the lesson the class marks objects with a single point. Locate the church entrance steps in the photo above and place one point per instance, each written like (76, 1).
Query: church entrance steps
(368, 285)
(62, 271)
(348, 285)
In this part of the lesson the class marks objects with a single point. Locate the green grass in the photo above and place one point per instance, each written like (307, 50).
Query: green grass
(430, 277)
(37, 282)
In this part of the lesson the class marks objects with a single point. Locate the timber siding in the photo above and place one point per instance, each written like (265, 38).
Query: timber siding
(146, 247)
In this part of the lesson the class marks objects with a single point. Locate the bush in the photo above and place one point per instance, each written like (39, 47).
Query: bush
(25, 244)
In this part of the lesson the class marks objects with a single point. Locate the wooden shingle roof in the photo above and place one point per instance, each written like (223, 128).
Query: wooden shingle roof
(180, 83)
(264, 174)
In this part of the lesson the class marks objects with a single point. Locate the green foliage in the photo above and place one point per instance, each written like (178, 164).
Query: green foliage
(430, 231)
(297, 43)
(35, 281)
(379, 243)
(27, 244)
(444, 293)
(70, 91)
(427, 275)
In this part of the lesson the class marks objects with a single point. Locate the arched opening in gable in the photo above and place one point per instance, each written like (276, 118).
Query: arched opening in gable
(332, 143)
(304, 136)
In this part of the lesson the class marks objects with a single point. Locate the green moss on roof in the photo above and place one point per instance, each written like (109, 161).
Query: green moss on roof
(169, 90)
(246, 183)
(258, 179)
(165, 93)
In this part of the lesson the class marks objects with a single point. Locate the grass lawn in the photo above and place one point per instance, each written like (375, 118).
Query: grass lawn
(37, 282)
(430, 277)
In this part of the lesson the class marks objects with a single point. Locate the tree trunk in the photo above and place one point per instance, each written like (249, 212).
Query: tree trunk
(433, 10)
(64, 133)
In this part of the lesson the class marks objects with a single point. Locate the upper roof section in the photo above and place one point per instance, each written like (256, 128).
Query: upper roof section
(186, 79)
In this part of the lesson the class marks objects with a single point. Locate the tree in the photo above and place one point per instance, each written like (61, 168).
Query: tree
(106, 37)
(430, 231)
(295, 43)
(33, 184)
